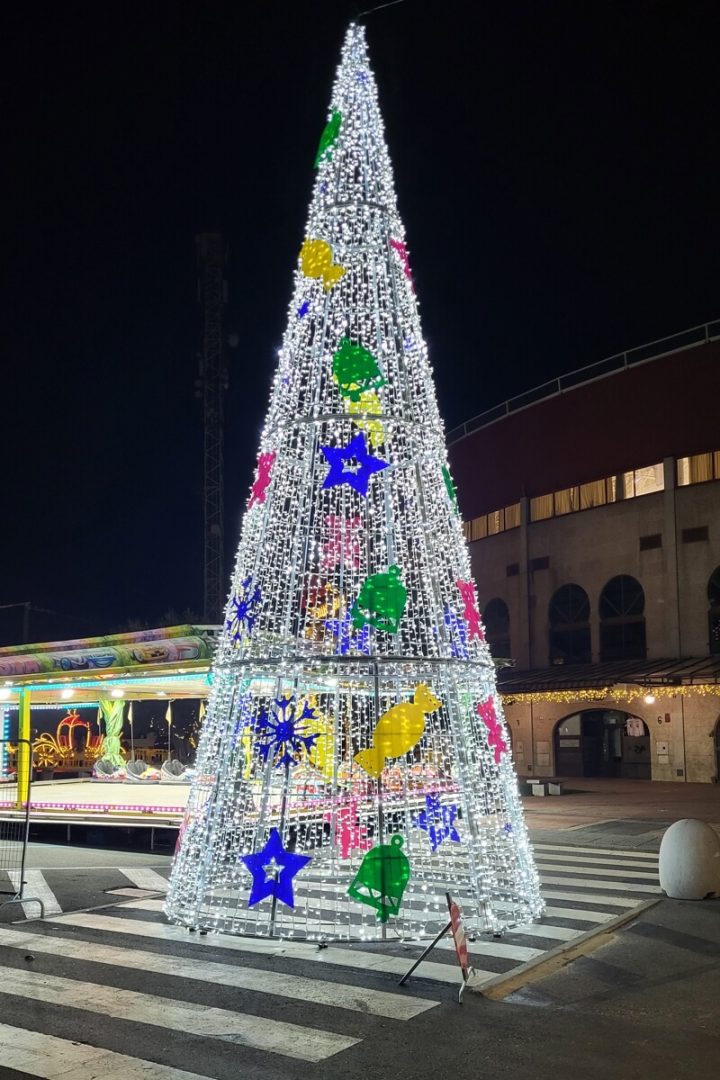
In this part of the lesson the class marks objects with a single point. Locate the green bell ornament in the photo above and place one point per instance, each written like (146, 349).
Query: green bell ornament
(381, 880)
(355, 370)
(381, 602)
(328, 137)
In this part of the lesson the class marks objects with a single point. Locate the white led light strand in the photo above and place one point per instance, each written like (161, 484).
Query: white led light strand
(354, 762)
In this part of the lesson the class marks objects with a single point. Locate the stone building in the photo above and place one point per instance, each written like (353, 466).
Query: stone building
(592, 505)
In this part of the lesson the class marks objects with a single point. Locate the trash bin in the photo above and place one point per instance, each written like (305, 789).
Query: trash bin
(690, 861)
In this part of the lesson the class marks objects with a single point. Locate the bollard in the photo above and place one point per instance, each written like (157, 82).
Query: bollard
(690, 861)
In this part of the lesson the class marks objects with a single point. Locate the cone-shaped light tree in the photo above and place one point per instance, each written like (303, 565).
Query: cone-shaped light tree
(354, 763)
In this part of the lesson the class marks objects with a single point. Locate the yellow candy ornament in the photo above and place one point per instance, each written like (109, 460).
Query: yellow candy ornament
(316, 261)
(397, 731)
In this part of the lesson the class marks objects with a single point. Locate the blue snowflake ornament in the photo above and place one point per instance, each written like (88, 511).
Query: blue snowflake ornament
(348, 638)
(457, 631)
(244, 611)
(281, 733)
(303, 309)
(437, 821)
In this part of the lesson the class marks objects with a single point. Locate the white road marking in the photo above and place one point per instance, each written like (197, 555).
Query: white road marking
(593, 883)
(298, 988)
(546, 930)
(145, 878)
(36, 886)
(645, 855)
(257, 1032)
(598, 871)
(300, 950)
(587, 860)
(52, 1058)
(595, 898)
(581, 914)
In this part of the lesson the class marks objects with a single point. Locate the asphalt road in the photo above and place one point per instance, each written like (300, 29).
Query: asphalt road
(114, 993)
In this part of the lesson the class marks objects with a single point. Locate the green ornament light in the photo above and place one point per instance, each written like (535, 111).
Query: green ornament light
(355, 370)
(450, 486)
(328, 137)
(382, 878)
(381, 602)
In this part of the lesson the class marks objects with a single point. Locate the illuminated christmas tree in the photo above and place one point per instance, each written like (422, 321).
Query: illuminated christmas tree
(354, 763)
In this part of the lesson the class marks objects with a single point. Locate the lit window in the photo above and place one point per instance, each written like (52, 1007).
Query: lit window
(650, 479)
(495, 522)
(512, 516)
(541, 507)
(698, 469)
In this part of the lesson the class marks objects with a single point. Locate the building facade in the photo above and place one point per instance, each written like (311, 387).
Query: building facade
(592, 507)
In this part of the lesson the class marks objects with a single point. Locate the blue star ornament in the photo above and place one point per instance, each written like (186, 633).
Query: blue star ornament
(273, 870)
(352, 464)
(437, 821)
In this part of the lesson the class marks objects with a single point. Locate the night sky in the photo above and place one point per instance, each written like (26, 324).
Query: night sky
(557, 172)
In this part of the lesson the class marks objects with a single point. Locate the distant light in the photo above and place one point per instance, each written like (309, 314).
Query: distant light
(67, 693)
(117, 693)
(161, 693)
(649, 699)
(5, 694)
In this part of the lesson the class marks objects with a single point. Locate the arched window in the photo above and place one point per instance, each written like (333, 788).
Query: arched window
(497, 627)
(569, 618)
(713, 592)
(622, 622)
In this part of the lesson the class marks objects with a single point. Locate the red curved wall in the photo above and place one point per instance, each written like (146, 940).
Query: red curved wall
(663, 408)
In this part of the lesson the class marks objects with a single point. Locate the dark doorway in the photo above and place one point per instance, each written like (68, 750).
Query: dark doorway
(713, 592)
(569, 619)
(622, 620)
(603, 742)
(496, 618)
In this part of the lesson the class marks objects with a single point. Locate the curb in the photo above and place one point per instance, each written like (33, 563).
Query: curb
(499, 987)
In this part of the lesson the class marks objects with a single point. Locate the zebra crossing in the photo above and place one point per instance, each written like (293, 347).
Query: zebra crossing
(121, 974)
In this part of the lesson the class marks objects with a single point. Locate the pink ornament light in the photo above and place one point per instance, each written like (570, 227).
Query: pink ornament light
(486, 712)
(471, 613)
(262, 479)
(342, 543)
(401, 249)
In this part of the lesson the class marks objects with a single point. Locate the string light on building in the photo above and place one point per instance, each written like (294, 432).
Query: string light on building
(354, 740)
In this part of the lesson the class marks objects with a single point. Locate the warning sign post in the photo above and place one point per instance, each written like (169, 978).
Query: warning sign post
(457, 929)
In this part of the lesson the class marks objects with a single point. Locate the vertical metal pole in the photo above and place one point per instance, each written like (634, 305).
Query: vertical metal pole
(381, 811)
(281, 830)
(24, 754)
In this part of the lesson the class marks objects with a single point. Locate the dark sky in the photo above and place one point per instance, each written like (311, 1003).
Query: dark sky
(557, 172)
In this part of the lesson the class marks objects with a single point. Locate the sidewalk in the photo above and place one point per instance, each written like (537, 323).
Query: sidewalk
(631, 814)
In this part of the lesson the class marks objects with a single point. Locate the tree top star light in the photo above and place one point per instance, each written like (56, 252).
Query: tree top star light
(354, 764)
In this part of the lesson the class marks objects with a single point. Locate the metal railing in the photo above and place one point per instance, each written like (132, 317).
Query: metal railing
(653, 350)
(15, 786)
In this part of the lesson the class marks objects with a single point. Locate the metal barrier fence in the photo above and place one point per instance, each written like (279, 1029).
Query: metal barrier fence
(15, 788)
